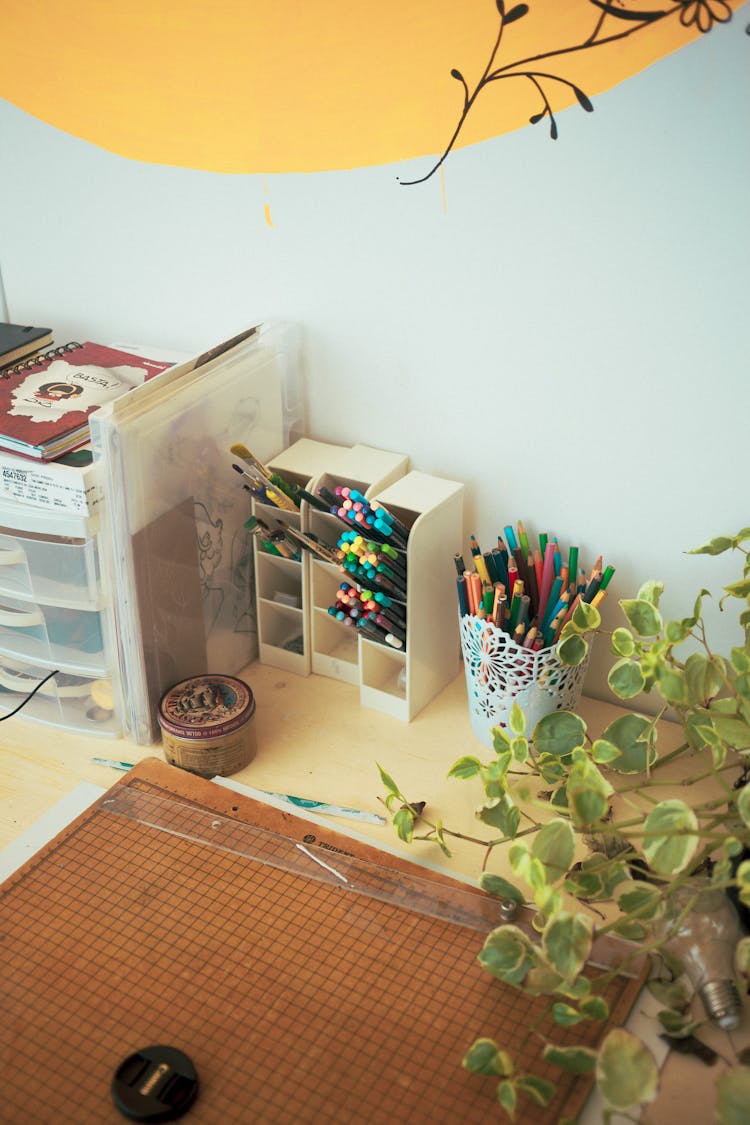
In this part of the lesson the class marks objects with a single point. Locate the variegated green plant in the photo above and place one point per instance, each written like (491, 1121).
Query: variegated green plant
(636, 863)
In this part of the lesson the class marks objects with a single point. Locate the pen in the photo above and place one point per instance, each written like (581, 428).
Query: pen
(113, 763)
(324, 807)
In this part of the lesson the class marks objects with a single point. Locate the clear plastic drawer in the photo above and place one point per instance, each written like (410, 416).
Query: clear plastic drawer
(82, 703)
(53, 634)
(50, 570)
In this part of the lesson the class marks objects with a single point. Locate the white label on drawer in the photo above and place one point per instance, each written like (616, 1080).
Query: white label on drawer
(47, 487)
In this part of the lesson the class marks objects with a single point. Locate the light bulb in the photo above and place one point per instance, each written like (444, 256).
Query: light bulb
(705, 942)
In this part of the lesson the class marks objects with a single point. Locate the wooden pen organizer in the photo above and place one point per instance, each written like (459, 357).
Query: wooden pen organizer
(295, 629)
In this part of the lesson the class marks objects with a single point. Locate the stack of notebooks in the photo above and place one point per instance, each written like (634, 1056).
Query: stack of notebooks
(46, 398)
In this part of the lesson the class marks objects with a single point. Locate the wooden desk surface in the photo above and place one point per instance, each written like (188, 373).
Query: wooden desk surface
(315, 741)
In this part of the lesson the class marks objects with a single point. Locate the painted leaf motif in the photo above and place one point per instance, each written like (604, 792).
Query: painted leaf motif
(583, 101)
(516, 13)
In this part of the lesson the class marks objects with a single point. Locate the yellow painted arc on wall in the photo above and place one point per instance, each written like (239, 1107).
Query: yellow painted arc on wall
(287, 86)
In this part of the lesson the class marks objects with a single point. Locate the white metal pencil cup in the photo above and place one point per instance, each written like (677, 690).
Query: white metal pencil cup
(500, 672)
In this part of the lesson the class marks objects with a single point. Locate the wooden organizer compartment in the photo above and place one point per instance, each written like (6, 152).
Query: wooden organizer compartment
(397, 682)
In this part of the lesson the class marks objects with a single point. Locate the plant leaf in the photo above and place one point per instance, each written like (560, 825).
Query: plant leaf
(507, 954)
(388, 781)
(734, 731)
(517, 719)
(715, 546)
(702, 678)
(465, 767)
(485, 1057)
(500, 740)
(565, 1016)
(559, 733)
(671, 838)
(539, 1089)
(742, 957)
(622, 643)
(501, 888)
(553, 845)
(572, 650)
(743, 804)
(587, 792)
(604, 752)
(506, 1095)
(629, 734)
(626, 679)
(585, 617)
(576, 1060)
(595, 1008)
(566, 942)
(733, 1096)
(403, 822)
(640, 898)
(644, 617)
(651, 591)
(626, 1073)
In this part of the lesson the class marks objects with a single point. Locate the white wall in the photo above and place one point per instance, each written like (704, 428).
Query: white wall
(568, 335)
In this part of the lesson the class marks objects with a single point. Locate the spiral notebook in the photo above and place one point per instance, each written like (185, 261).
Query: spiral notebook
(45, 403)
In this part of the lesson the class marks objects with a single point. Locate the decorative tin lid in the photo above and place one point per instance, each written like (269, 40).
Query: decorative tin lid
(207, 706)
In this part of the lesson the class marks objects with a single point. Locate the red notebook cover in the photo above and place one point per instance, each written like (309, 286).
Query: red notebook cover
(45, 403)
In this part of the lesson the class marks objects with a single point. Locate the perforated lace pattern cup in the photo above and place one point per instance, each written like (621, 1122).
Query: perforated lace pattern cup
(500, 672)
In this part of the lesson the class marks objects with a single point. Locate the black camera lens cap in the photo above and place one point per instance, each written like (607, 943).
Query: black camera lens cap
(155, 1084)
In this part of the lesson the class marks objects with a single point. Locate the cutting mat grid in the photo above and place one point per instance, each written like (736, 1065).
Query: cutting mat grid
(296, 1000)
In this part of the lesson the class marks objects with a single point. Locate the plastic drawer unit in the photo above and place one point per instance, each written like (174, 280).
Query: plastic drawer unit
(54, 621)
